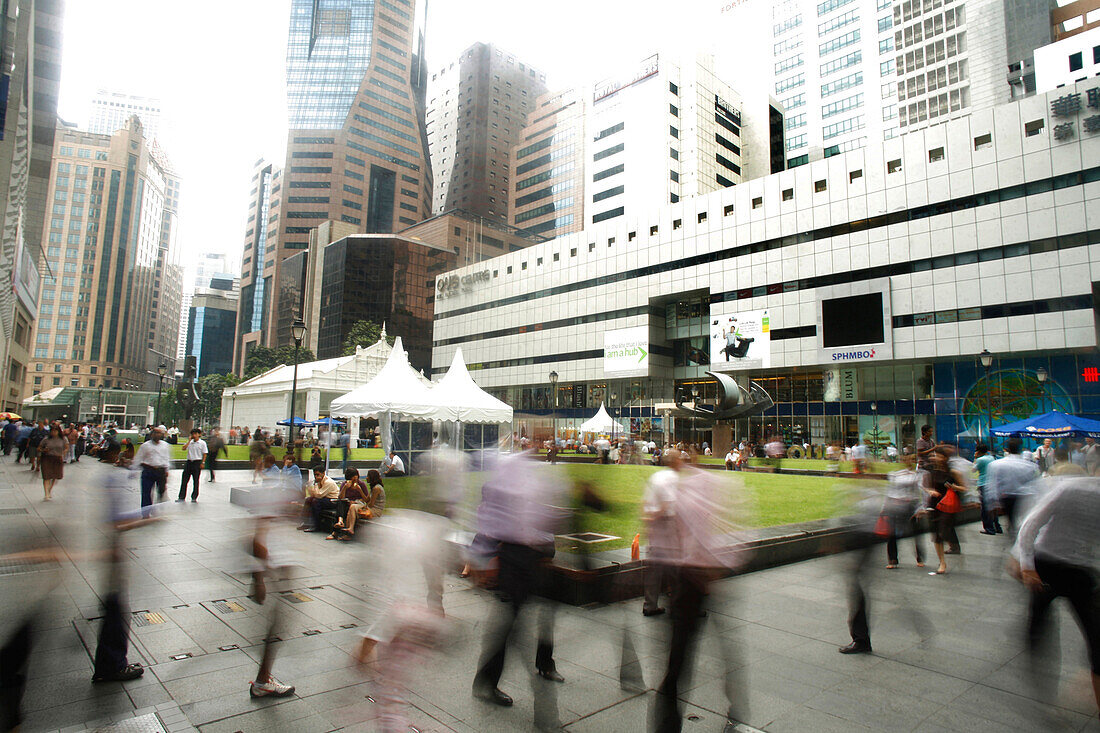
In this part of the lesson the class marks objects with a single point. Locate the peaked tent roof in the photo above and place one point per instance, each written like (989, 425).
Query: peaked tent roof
(457, 393)
(1053, 424)
(601, 422)
(398, 390)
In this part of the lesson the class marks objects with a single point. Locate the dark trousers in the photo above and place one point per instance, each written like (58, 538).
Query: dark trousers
(14, 656)
(316, 506)
(689, 589)
(990, 522)
(1079, 587)
(114, 637)
(1013, 507)
(191, 470)
(858, 625)
(211, 465)
(656, 577)
(7, 445)
(519, 577)
(151, 477)
(903, 523)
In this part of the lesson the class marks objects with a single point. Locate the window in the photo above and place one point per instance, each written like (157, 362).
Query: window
(1096, 54)
(599, 176)
(608, 152)
(673, 88)
(796, 122)
(674, 176)
(885, 23)
(893, 166)
(838, 43)
(758, 202)
(830, 5)
(673, 110)
(788, 194)
(727, 210)
(935, 155)
(886, 68)
(701, 217)
(789, 83)
(1075, 61)
(843, 62)
(839, 128)
(787, 64)
(886, 45)
(653, 230)
(820, 186)
(838, 21)
(983, 141)
(839, 85)
(1033, 128)
(853, 102)
(674, 132)
(677, 224)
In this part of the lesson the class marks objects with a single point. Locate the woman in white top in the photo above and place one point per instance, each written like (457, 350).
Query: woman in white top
(904, 496)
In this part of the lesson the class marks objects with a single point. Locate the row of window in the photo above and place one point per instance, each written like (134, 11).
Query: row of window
(838, 43)
(843, 62)
(839, 85)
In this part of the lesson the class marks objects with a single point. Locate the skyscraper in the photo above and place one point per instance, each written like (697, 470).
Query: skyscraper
(477, 106)
(208, 265)
(30, 73)
(111, 110)
(256, 275)
(211, 320)
(356, 149)
(104, 316)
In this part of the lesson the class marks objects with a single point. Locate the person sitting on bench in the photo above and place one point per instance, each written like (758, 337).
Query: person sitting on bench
(363, 502)
(322, 495)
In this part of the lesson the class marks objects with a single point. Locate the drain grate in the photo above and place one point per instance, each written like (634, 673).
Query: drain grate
(19, 567)
(148, 723)
(296, 597)
(12, 510)
(148, 618)
(228, 607)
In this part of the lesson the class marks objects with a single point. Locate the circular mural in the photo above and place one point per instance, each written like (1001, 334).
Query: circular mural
(1008, 395)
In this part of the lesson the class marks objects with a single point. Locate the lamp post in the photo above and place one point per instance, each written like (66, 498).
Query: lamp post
(162, 369)
(986, 360)
(101, 409)
(874, 430)
(232, 406)
(298, 331)
(554, 389)
(1041, 375)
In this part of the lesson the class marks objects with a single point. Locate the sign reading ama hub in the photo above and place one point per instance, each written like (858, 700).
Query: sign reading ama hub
(626, 352)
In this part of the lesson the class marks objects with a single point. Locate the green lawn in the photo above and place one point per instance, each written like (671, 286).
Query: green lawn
(767, 500)
(240, 453)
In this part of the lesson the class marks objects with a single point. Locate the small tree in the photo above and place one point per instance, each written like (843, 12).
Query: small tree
(262, 358)
(363, 333)
(210, 388)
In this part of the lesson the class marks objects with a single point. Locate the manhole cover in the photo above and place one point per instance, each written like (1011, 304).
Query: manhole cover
(147, 618)
(148, 723)
(12, 510)
(589, 538)
(19, 567)
(296, 597)
(228, 607)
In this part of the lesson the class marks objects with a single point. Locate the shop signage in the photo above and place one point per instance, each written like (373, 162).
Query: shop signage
(841, 385)
(606, 88)
(739, 339)
(626, 352)
(450, 285)
(1091, 374)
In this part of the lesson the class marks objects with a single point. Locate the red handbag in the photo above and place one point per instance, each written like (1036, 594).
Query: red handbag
(950, 502)
(882, 526)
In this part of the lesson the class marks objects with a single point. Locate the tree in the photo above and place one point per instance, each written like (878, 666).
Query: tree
(363, 333)
(210, 388)
(262, 358)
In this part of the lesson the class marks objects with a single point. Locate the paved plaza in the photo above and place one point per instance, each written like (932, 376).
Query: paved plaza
(948, 650)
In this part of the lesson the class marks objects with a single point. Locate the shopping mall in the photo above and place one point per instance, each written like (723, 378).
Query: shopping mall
(860, 291)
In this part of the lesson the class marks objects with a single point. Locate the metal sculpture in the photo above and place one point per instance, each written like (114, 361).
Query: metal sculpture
(734, 401)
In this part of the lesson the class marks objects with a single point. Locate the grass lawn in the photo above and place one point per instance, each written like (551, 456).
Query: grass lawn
(240, 453)
(769, 499)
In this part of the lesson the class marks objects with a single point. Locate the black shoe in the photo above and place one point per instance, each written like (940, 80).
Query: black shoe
(493, 695)
(129, 672)
(179, 501)
(652, 611)
(551, 674)
(855, 647)
(985, 531)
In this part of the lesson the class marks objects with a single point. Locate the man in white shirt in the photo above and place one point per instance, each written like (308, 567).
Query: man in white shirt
(323, 493)
(659, 512)
(153, 459)
(392, 465)
(196, 457)
(1011, 483)
(732, 459)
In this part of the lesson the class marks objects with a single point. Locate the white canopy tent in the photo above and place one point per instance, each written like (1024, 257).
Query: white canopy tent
(601, 422)
(459, 398)
(398, 392)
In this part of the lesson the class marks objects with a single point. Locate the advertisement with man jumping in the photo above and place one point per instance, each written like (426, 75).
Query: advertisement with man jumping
(740, 340)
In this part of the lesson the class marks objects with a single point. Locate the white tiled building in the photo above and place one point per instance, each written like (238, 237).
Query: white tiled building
(976, 234)
(1068, 61)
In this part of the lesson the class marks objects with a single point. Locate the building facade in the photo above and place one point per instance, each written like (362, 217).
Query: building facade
(477, 106)
(112, 110)
(1074, 17)
(211, 323)
(98, 318)
(868, 282)
(357, 150)
(30, 77)
(1068, 61)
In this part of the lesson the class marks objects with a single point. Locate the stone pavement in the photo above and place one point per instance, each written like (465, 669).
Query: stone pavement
(962, 669)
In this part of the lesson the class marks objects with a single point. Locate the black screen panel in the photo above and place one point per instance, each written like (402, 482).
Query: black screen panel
(852, 321)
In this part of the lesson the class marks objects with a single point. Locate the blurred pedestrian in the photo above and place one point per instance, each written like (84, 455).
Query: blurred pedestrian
(51, 458)
(659, 515)
(1012, 483)
(153, 459)
(216, 446)
(982, 460)
(901, 508)
(945, 486)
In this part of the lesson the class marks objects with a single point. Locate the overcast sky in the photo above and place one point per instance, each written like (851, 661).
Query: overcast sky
(218, 67)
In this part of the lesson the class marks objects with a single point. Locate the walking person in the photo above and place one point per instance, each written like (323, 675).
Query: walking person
(659, 515)
(982, 460)
(901, 509)
(38, 434)
(51, 458)
(196, 450)
(924, 447)
(216, 446)
(943, 503)
(153, 458)
(1012, 482)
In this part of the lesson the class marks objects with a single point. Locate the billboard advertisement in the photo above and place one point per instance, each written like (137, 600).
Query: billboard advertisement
(854, 322)
(739, 339)
(626, 352)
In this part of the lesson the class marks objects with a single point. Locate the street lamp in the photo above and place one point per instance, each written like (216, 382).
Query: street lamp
(162, 369)
(986, 360)
(554, 389)
(1041, 375)
(874, 430)
(101, 408)
(232, 406)
(298, 331)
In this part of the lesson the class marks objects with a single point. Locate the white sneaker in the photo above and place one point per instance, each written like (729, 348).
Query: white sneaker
(271, 688)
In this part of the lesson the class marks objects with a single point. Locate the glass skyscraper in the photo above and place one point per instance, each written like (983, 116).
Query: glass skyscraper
(328, 51)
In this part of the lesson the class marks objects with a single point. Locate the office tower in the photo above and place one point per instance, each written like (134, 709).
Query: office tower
(164, 333)
(258, 260)
(356, 148)
(555, 127)
(104, 247)
(211, 322)
(956, 57)
(30, 72)
(208, 266)
(477, 107)
(1067, 61)
(111, 110)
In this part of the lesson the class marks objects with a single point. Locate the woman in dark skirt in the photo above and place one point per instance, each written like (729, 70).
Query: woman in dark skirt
(944, 482)
(51, 459)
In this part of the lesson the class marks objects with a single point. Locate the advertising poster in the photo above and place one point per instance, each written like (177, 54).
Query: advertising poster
(739, 340)
(626, 352)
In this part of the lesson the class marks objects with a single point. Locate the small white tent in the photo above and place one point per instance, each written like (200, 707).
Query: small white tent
(459, 398)
(601, 422)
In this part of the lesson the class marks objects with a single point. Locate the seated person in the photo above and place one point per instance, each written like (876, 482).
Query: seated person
(321, 495)
(292, 474)
(316, 458)
(733, 460)
(367, 502)
(392, 465)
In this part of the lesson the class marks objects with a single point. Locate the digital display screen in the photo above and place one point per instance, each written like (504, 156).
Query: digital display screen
(852, 321)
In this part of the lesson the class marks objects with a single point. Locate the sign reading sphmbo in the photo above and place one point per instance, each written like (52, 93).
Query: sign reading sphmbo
(740, 340)
(626, 352)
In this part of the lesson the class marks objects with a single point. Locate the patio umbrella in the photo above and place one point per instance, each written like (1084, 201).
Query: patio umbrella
(298, 422)
(328, 421)
(1053, 424)
(10, 416)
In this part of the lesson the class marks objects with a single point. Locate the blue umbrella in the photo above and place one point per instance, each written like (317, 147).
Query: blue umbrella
(1054, 424)
(298, 422)
(328, 421)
